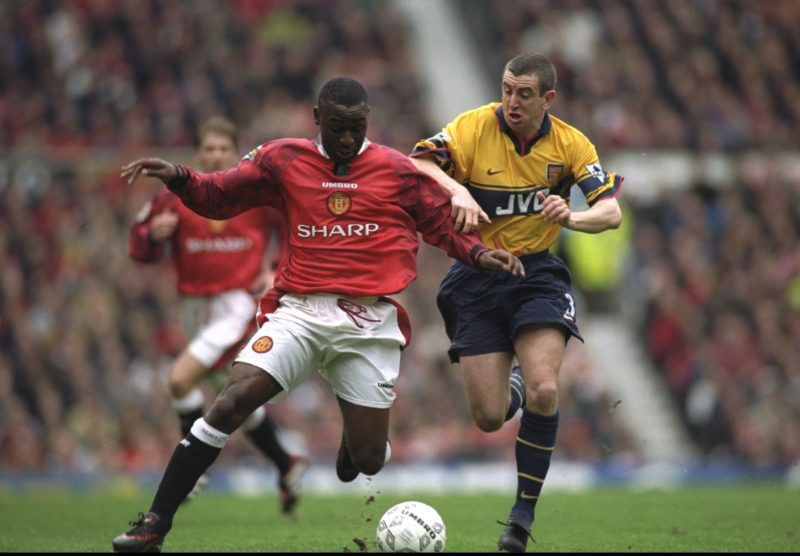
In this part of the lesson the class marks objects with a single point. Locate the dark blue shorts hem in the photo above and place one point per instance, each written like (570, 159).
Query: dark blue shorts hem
(483, 310)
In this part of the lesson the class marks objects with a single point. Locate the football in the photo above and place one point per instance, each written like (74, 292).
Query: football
(411, 527)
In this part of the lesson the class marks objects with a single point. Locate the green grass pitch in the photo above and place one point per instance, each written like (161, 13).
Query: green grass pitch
(730, 518)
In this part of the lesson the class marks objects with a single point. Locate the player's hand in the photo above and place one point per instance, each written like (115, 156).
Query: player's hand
(163, 226)
(554, 208)
(466, 212)
(499, 259)
(155, 167)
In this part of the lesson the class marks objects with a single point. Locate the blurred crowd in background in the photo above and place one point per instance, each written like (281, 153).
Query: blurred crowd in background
(720, 278)
(689, 74)
(139, 74)
(87, 335)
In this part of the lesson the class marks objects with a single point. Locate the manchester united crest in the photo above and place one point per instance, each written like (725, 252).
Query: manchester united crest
(263, 344)
(338, 203)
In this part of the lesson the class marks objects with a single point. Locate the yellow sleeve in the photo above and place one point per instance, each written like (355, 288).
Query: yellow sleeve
(452, 148)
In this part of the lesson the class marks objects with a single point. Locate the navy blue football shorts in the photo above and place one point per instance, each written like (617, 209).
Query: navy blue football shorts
(483, 309)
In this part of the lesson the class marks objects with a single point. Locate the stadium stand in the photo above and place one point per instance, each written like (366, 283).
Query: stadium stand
(720, 269)
(633, 74)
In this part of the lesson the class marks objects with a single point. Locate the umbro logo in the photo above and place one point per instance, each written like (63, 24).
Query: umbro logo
(339, 185)
(185, 443)
(493, 172)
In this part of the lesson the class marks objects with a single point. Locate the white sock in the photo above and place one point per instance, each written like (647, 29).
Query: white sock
(208, 434)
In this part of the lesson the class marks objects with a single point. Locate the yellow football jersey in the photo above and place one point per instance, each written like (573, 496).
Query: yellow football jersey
(479, 150)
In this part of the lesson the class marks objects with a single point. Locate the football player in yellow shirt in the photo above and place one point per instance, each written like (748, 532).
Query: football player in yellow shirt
(518, 162)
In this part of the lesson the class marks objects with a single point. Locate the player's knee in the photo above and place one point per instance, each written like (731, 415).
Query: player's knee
(488, 422)
(543, 398)
(229, 410)
(179, 388)
(368, 461)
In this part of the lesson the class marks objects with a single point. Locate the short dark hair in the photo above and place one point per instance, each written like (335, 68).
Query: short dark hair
(219, 125)
(530, 64)
(343, 91)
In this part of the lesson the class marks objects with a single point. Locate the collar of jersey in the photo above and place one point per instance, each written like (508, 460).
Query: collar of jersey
(321, 149)
(523, 149)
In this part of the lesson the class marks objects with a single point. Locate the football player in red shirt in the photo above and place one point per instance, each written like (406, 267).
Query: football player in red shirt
(353, 210)
(220, 270)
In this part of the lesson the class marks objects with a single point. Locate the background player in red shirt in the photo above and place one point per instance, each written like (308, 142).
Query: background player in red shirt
(353, 210)
(220, 267)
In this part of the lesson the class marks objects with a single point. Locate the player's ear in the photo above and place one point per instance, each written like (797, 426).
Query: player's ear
(316, 115)
(549, 98)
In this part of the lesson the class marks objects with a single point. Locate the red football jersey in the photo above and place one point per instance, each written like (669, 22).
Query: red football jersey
(351, 231)
(210, 256)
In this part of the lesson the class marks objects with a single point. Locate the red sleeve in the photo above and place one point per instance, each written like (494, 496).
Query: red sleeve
(431, 209)
(140, 248)
(223, 195)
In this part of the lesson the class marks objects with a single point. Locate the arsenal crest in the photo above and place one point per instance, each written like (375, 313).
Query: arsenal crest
(338, 203)
(554, 173)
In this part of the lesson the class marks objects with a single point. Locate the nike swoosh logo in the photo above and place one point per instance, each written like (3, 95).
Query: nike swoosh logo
(493, 172)
(526, 496)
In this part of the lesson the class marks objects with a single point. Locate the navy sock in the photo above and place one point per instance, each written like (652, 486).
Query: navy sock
(263, 436)
(535, 443)
(189, 460)
(516, 384)
(516, 403)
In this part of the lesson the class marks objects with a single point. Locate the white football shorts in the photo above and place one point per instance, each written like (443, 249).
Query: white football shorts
(217, 323)
(354, 343)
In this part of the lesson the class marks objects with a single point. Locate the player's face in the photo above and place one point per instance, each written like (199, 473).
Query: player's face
(216, 152)
(523, 105)
(342, 129)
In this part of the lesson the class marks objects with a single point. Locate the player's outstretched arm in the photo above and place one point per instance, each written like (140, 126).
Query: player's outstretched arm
(466, 212)
(498, 259)
(155, 167)
(219, 195)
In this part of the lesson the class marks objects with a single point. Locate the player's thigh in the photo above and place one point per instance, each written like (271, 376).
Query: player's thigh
(364, 373)
(540, 351)
(286, 347)
(187, 372)
(366, 429)
(486, 383)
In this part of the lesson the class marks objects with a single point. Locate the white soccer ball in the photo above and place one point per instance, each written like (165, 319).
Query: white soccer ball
(411, 527)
